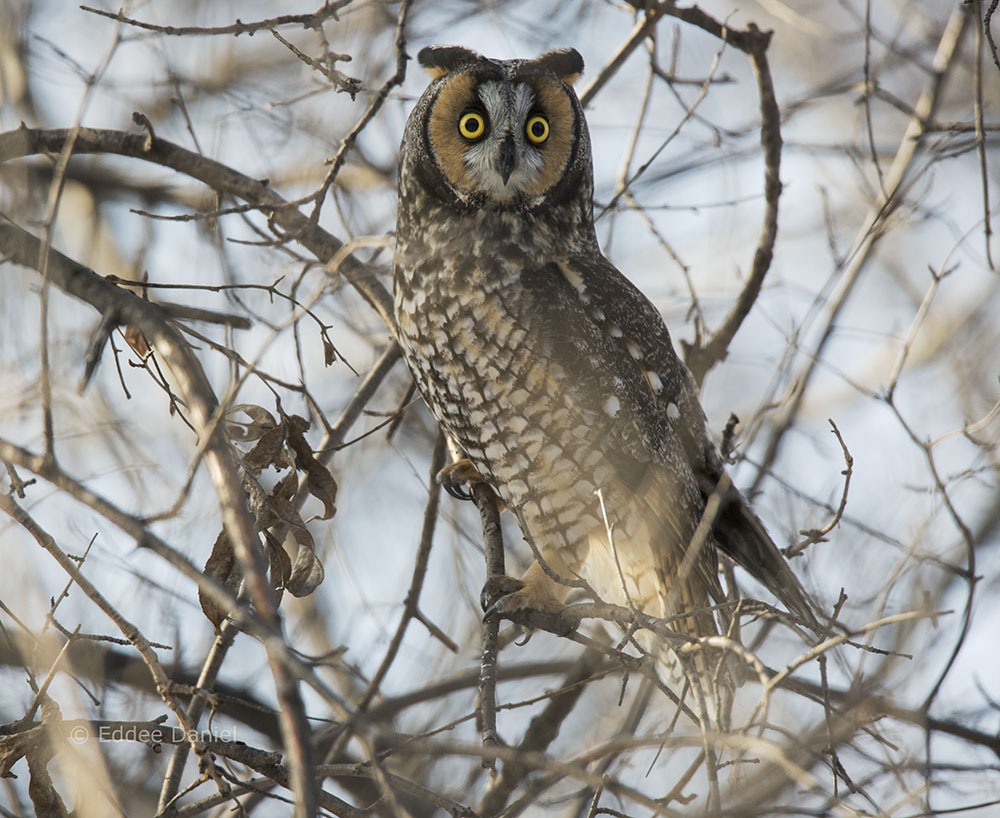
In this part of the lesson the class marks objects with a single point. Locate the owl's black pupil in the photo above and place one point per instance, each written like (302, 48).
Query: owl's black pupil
(538, 129)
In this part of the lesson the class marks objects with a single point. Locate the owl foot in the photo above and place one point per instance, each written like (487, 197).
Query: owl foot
(526, 604)
(454, 479)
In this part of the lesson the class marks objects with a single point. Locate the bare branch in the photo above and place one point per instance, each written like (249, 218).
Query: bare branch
(314, 20)
(26, 141)
(486, 501)
(755, 43)
(817, 535)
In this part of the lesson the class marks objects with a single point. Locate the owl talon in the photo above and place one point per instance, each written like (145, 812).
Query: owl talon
(520, 603)
(459, 492)
(496, 588)
(454, 479)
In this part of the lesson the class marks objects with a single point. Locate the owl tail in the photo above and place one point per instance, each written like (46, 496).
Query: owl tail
(741, 536)
(671, 571)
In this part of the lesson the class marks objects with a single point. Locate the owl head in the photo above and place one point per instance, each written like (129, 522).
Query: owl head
(499, 134)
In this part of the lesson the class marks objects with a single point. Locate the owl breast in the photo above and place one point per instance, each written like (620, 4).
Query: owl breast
(471, 334)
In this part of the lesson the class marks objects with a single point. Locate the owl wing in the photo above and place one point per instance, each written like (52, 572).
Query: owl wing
(613, 341)
(586, 315)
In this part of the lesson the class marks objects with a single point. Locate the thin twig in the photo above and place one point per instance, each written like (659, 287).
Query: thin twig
(373, 108)
(977, 112)
(987, 27)
(541, 732)
(206, 679)
(127, 628)
(872, 229)
(817, 535)
(701, 360)
(222, 178)
(340, 80)
(313, 20)
(642, 29)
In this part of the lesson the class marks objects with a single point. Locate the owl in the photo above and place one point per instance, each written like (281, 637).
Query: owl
(552, 375)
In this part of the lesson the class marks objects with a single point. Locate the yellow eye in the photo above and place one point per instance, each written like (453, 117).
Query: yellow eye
(537, 129)
(472, 125)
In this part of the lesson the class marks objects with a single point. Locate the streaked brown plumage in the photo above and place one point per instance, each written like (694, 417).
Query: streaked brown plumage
(551, 372)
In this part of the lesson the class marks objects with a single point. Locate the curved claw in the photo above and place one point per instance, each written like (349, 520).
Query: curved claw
(496, 588)
(511, 599)
(458, 491)
(457, 476)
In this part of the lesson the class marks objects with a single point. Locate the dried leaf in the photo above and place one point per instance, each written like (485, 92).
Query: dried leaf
(257, 500)
(279, 565)
(280, 507)
(261, 421)
(329, 352)
(323, 487)
(258, 414)
(136, 340)
(222, 566)
(307, 570)
(319, 481)
(285, 488)
(267, 452)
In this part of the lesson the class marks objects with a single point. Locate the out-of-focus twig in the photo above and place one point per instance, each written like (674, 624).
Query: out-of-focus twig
(224, 179)
(329, 10)
(872, 229)
(373, 108)
(540, 733)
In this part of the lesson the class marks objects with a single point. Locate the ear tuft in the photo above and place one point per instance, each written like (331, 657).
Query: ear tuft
(565, 63)
(439, 60)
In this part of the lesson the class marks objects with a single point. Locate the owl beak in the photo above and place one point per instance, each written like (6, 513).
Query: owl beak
(507, 156)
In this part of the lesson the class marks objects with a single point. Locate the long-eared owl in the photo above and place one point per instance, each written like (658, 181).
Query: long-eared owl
(548, 369)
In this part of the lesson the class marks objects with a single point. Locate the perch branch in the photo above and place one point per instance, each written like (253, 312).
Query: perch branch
(486, 502)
